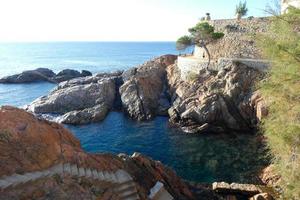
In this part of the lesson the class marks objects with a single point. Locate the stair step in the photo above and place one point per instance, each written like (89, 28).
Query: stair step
(106, 176)
(113, 178)
(95, 174)
(6, 182)
(101, 176)
(88, 173)
(81, 172)
(67, 168)
(133, 196)
(57, 169)
(125, 193)
(34, 175)
(120, 188)
(21, 178)
(74, 170)
(3, 184)
(122, 176)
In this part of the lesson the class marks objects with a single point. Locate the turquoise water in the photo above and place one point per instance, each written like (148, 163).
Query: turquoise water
(203, 158)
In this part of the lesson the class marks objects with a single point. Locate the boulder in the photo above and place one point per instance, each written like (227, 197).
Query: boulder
(37, 75)
(76, 97)
(80, 100)
(144, 92)
(85, 73)
(88, 115)
(68, 74)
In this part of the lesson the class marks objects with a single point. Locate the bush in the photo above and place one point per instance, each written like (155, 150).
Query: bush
(217, 35)
(281, 90)
(202, 32)
(183, 42)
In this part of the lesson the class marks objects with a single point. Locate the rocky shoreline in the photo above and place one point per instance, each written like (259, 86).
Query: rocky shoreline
(31, 148)
(214, 101)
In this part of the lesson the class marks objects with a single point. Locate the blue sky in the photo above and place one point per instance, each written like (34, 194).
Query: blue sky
(110, 20)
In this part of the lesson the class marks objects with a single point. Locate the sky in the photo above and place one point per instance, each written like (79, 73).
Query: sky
(110, 20)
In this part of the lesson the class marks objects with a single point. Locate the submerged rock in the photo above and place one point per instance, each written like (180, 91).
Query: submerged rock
(144, 92)
(44, 74)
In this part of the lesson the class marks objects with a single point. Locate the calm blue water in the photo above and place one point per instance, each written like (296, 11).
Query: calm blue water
(93, 56)
(204, 158)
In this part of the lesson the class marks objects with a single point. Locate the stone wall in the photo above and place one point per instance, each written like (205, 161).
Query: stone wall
(238, 41)
(237, 45)
(190, 65)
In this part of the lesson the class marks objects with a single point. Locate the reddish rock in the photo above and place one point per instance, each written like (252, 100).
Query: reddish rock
(29, 144)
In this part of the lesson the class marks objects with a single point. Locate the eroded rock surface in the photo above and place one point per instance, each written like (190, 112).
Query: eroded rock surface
(214, 101)
(81, 100)
(28, 144)
(144, 93)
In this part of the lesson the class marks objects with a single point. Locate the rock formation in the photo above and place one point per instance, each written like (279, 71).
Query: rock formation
(215, 100)
(81, 100)
(144, 92)
(29, 144)
(44, 74)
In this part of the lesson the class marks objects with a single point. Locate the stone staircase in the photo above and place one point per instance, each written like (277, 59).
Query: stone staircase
(125, 187)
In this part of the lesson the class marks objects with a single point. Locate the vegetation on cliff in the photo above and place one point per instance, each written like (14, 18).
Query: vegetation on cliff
(201, 34)
(281, 90)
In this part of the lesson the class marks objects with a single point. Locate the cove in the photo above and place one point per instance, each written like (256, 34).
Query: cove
(203, 158)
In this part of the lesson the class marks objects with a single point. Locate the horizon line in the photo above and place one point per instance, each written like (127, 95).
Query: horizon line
(86, 41)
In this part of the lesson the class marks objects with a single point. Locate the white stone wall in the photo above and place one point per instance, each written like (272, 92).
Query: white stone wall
(286, 3)
(191, 65)
(200, 53)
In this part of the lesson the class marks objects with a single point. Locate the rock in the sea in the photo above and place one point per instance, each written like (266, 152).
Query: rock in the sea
(44, 74)
(80, 100)
(144, 92)
(40, 74)
(68, 74)
(77, 97)
(215, 101)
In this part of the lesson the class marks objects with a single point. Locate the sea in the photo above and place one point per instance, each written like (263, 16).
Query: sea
(231, 157)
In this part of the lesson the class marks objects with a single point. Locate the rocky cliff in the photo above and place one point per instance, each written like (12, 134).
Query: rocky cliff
(30, 145)
(214, 101)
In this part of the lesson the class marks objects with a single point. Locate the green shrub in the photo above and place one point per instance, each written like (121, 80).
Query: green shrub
(281, 90)
(202, 33)
(183, 42)
(217, 35)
